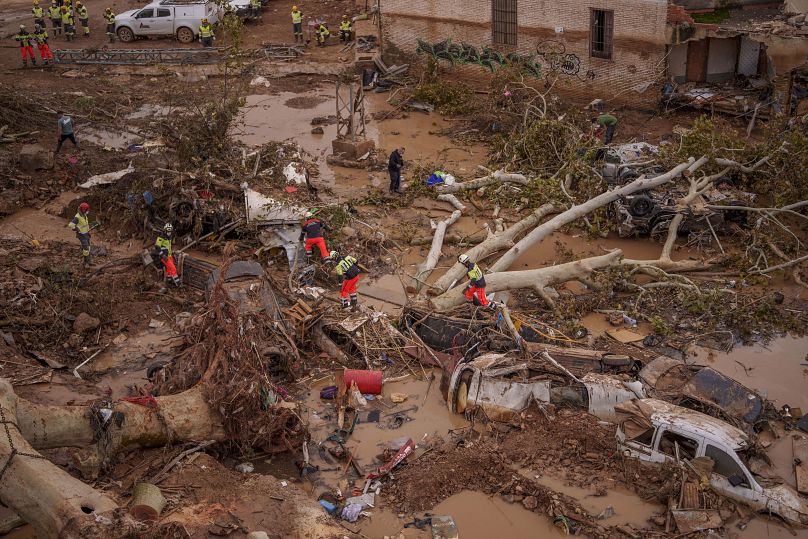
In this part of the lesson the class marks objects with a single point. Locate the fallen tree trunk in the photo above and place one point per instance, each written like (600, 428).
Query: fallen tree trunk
(494, 177)
(434, 251)
(55, 503)
(537, 278)
(493, 244)
(580, 210)
(183, 417)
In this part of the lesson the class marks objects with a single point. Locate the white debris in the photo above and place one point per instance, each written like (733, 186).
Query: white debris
(107, 178)
(293, 175)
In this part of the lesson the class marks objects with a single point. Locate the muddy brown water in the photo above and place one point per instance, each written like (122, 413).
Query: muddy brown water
(271, 118)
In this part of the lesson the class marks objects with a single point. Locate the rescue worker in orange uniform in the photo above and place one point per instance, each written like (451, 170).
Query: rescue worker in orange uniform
(163, 247)
(312, 231)
(475, 290)
(347, 271)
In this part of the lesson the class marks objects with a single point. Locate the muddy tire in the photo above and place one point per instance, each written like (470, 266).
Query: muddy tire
(616, 360)
(641, 206)
(185, 35)
(580, 333)
(125, 34)
(462, 393)
(154, 368)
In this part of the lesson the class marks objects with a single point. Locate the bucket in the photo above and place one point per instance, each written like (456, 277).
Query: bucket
(369, 382)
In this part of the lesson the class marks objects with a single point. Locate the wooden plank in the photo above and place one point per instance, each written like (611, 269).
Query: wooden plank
(690, 495)
(799, 445)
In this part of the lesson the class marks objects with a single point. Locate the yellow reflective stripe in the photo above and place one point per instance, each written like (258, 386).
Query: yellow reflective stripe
(475, 273)
(82, 224)
(297, 16)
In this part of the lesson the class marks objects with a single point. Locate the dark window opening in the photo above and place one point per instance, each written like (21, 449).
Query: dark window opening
(725, 465)
(601, 31)
(647, 437)
(504, 22)
(687, 446)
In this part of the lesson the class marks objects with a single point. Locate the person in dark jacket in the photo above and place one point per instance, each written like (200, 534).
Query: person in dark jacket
(394, 166)
(312, 232)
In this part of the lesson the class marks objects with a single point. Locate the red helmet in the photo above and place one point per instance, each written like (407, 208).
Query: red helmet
(84, 207)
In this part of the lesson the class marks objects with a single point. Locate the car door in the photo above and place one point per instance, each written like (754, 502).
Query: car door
(732, 479)
(145, 21)
(163, 21)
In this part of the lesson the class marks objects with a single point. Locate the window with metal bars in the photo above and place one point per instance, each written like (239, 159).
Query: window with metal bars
(504, 22)
(601, 32)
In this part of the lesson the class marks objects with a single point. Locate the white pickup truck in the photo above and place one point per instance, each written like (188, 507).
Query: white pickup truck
(179, 18)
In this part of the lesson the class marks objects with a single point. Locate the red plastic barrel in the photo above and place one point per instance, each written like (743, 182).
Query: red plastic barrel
(369, 382)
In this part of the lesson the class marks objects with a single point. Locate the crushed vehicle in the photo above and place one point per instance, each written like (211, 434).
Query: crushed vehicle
(706, 390)
(651, 213)
(503, 385)
(177, 18)
(467, 338)
(657, 431)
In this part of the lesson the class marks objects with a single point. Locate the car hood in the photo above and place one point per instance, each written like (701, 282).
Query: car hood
(789, 497)
(126, 14)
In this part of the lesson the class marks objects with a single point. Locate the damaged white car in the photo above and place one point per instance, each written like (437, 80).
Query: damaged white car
(503, 386)
(657, 431)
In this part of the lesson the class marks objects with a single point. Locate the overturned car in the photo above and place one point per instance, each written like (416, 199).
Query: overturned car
(656, 431)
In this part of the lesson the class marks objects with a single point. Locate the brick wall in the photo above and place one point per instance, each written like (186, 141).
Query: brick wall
(638, 59)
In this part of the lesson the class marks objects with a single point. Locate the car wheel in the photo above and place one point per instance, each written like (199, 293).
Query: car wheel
(185, 35)
(462, 393)
(154, 368)
(640, 206)
(125, 34)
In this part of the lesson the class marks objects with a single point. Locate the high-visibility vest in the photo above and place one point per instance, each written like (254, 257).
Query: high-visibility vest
(206, 30)
(82, 12)
(110, 17)
(67, 17)
(41, 37)
(38, 12)
(163, 245)
(255, 3)
(24, 38)
(323, 31)
(80, 223)
(54, 12)
(475, 274)
(345, 25)
(297, 16)
(347, 267)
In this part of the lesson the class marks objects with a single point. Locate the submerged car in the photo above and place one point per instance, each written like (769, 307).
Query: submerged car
(502, 386)
(705, 390)
(657, 431)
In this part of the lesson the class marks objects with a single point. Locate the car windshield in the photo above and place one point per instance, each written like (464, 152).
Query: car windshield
(146, 13)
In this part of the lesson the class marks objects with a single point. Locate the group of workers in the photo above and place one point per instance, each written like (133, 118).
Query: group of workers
(62, 14)
(321, 31)
(346, 267)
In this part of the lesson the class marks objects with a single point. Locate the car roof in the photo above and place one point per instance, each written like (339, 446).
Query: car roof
(707, 427)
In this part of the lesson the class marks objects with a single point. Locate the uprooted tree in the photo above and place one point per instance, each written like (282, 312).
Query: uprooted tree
(226, 393)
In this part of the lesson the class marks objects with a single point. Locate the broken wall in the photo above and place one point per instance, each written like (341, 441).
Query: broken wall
(555, 34)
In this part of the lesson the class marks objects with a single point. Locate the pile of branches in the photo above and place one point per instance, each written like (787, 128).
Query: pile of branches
(240, 359)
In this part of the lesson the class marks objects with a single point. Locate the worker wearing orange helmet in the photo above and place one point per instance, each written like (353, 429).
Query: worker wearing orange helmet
(81, 225)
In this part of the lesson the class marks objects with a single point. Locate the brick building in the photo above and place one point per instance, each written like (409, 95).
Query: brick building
(610, 49)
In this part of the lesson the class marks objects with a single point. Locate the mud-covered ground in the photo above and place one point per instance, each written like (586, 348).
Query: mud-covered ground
(546, 470)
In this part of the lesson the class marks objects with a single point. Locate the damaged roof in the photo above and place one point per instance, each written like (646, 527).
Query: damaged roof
(700, 424)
